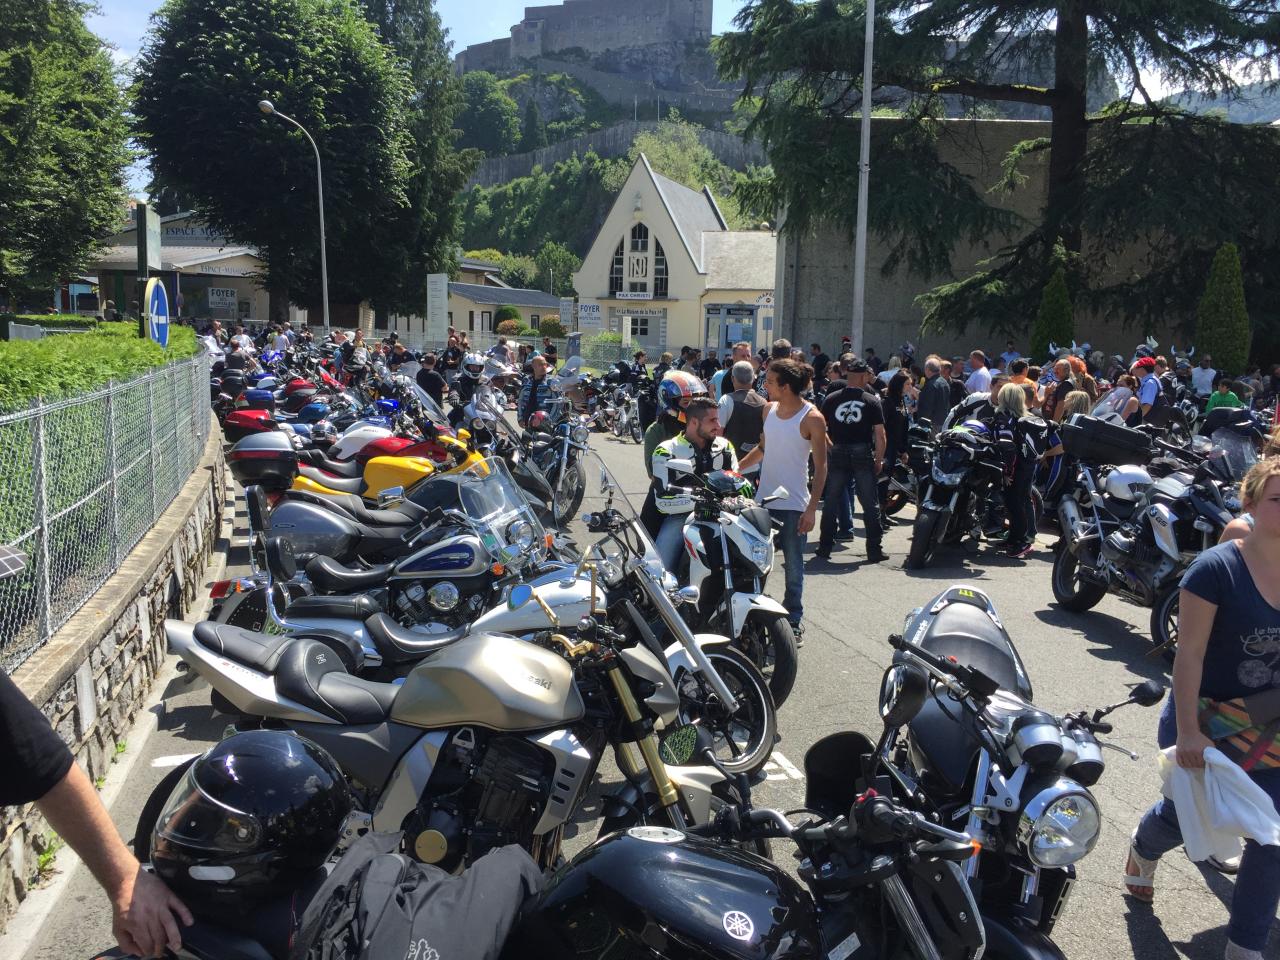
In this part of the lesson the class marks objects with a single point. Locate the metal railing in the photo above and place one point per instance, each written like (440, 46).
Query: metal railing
(82, 480)
(595, 352)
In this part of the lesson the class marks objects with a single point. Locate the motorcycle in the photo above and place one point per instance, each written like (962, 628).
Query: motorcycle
(626, 413)
(978, 755)
(1128, 534)
(558, 444)
(728, 556)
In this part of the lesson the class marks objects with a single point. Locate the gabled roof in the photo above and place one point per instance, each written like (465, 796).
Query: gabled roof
(739, 259)
(692, 212)
(479, 293)
(124, 256)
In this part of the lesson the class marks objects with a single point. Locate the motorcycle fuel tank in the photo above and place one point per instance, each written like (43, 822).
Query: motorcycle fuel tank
(382, 473)
(570, 601)
(356, 438)
(462, 556)
(654, 892)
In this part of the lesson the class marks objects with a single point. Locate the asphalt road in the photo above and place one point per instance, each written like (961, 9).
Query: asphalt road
(1074, 661)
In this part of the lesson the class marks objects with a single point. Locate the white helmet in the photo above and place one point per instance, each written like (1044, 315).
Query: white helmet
(1127, 483)
(472, 366)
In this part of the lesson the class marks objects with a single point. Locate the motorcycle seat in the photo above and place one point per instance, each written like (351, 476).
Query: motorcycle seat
(404, 514)
(359, 607)
(316, 458)
(258, 650)
(399, 644)
(311, 674)
(330, 575)
(340, 484)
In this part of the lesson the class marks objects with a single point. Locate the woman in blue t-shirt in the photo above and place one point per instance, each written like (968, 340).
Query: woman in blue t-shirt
(1228, 648)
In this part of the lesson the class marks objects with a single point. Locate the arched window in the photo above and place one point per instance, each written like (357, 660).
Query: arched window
(615, 270)
(639, 238)
(659, 271)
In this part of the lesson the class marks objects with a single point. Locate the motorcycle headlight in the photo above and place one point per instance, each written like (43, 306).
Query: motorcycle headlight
(520, 535)
(943, 477)
(760, 552)
(1059, 825)
(580, 434)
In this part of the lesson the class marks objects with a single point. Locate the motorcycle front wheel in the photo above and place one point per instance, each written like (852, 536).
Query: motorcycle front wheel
(637, 431)
(1069, 590)
(744, 739)
(570, 490)
(1164, 623)
(769, 642)
(924, 538)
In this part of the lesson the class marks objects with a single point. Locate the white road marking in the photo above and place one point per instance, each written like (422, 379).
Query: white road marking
(780, 768)
(177, 759)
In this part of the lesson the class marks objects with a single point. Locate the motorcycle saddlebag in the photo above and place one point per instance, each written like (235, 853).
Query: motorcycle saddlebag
(256, 399)
(1099, 441)
(267, 459)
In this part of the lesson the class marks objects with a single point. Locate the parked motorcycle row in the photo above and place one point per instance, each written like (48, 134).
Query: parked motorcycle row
(463, 623)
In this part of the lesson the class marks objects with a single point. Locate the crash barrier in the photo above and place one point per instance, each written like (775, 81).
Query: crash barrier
(82, 480)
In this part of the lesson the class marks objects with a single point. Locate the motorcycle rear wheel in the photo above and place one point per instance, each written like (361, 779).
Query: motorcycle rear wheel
(924, 539)
(1069, 590)
(1164, 623)
(768, 641)
(744, 740)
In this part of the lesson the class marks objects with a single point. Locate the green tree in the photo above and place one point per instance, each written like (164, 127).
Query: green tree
(533, 132)
(203, 70)
(506, 314)
(675, 150)
(1222, 322)
(489, 120)
(421, 239)
(1055, 321)
(1118, 176)
(62, 144)
(556, 267)
(518, 271)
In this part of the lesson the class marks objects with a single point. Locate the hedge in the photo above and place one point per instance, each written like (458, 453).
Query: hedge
(57, 367)
(52, 321)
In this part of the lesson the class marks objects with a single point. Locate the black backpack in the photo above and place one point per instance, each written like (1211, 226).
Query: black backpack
(379, 904)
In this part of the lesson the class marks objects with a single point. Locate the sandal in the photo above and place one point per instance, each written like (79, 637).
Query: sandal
(1139, 876)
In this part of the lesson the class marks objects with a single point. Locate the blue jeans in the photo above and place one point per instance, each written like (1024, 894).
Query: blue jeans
(670, 540)
(1257, 887)
(850, 465)
(791, 542)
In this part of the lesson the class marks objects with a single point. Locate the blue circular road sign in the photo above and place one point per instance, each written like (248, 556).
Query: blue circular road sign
(158, 311)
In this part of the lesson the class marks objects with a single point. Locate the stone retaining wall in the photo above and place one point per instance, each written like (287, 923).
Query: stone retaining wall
(92, 677)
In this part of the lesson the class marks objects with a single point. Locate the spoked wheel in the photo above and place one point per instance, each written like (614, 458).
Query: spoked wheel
(1069, 590)
(770, 643)
(744, 739)
(570, 491)
(1164, 624)
(637, 431)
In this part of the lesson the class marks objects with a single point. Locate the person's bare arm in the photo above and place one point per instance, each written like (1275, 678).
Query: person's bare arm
(1237, 529)
(142, 907)
(816, 425)
(880, 441)
(1195, 620)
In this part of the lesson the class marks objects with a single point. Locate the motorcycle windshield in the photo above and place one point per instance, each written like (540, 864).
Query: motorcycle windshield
(605, 491)
(499, 513)
(1239, 452)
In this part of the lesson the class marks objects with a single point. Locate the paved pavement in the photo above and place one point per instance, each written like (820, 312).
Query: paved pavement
(851, 607)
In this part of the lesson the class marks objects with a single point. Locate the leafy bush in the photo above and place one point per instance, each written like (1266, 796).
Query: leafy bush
(607, 338)
(1222, 322)
(58, 367)
(506, 313)
(508, 328)
(1055, 322)
(52, 321)
(552, 327)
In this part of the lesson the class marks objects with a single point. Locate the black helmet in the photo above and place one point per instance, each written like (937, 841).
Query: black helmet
(252, 818)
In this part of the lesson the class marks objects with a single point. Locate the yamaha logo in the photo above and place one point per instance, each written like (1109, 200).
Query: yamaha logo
(738, 925)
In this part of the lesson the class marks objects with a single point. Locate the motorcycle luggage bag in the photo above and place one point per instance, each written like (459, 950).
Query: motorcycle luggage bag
(255, 399)
(1093, 440)
(267, 459)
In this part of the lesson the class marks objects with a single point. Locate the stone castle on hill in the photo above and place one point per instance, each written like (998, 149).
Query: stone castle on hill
(594, 27)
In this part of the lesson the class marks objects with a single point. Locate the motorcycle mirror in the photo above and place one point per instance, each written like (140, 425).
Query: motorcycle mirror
(903, 691)
(520, 594)
(390, 495)
(1148, 693)
(606, 483)
(779, 493)
(688, 595)
(680, 466)
(12, 562)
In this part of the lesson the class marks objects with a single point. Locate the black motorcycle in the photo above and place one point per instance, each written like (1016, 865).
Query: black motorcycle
(980, 756)
(966, 467)
(1128, 533)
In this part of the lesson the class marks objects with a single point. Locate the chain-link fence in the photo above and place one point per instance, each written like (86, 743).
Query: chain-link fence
(81, 482)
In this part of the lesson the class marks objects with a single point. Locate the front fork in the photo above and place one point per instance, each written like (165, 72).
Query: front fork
(647, 742)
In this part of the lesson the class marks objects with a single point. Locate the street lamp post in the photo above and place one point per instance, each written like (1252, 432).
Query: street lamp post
(266, 106)
(864, 178)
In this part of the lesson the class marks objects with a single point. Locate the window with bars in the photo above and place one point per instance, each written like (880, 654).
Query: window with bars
(615, 270)
(639, 238)
(659, 271)
(639, 328)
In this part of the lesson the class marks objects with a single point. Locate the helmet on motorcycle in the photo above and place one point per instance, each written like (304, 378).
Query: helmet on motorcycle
(676, 390)
(252, 817)
(1127, 483)
(539, 420)
(978, 427)
(472, 366)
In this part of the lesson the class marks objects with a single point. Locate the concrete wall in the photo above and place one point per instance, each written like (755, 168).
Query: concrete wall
(613, 141)
(814, 280)
(94, 674)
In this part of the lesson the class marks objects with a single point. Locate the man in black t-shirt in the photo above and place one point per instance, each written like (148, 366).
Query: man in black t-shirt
(430, 380)
(38, 768)
(855, 424)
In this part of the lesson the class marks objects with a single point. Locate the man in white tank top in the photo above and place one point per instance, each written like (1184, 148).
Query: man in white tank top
(794, 431)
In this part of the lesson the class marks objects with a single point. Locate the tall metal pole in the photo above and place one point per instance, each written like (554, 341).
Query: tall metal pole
(864, 178)
(266, 107)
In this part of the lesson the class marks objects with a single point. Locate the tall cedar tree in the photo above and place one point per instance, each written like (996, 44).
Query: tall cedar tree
(202, 71)
(62, 145)
(1055, 321)
(1140, 176)
(1222, 322)
(533, 132)
(425, 234)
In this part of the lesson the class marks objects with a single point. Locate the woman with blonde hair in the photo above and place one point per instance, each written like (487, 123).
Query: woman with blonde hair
(1077, 401)
(1031, 441)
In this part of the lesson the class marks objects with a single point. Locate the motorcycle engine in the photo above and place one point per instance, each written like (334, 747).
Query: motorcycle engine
(440, 602)
(1133, 558)
(485, 792)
